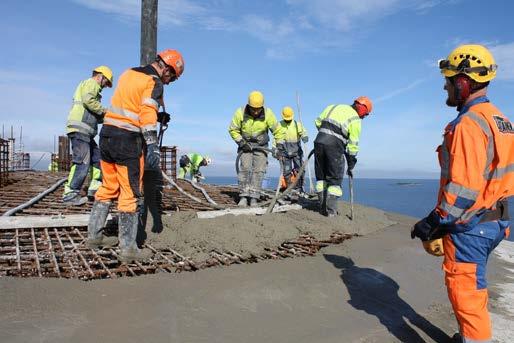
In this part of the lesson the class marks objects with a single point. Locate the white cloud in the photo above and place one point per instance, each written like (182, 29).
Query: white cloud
(342, 14)
(172, 12)
(504, 56)
(304, 26)
(401, 90)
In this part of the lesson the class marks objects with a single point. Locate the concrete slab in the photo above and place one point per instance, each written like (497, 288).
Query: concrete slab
(378, 288)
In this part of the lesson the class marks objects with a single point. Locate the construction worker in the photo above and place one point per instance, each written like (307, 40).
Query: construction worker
(477, 176)
(82, 126)
(191, 164)
(129, 125)
(53, 167)
(249, 129)
(295, 133)
(339, 128)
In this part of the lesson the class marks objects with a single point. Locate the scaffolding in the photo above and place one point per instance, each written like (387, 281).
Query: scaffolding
(169, 161)
(4, 162)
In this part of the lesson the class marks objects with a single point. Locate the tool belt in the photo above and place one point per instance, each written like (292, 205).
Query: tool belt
(500, 213)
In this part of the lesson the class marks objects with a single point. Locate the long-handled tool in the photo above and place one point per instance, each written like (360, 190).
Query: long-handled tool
(350, 181)
(162, 128)
(311, 187)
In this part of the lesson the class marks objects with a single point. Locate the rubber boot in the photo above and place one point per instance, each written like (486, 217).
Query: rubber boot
(243, 202)
(97, 219)
(322, 202)
(253, 202)
(331, 205)
(127, 232)
(74, 199)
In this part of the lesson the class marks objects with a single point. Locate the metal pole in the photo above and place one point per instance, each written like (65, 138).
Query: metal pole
(148, 31)
(311, 187)
(350, 180)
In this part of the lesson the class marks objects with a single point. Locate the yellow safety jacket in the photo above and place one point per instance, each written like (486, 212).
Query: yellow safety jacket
(255, 130)
(293, 133)
(193, 167)
(87, 110)
(339, 124)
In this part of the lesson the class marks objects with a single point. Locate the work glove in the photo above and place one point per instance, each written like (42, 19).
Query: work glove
(244, 146)
(305, 139)
(351, 160)
(427, 228)
(163, 118)
(280, 152)
(153, 157)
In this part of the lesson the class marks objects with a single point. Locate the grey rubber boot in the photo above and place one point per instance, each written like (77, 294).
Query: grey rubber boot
(95, 238)
(127, 233)
(253, 202)
(322, 202)
(74, 199)
(243, 202)
(331, 205)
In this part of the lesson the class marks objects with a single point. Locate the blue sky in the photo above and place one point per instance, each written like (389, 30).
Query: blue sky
(328, 51)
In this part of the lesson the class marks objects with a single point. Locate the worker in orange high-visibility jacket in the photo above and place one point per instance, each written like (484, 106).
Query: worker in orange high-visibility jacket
(477, 177)
(129, 126)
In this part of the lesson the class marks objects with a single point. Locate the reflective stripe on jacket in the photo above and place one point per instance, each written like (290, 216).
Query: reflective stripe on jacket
(293, 133)
(136, 100)
(477, 165)
(87, 110)
(255, 130)
(341, 122)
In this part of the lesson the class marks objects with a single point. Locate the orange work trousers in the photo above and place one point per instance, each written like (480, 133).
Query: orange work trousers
(122, 164)
(465, 262)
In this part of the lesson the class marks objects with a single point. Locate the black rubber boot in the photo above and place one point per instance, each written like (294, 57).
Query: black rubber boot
(322, 201)
(127, 228)
(97, 219)
(331, 205)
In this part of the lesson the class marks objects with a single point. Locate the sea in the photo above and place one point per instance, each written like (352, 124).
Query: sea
(412, 197)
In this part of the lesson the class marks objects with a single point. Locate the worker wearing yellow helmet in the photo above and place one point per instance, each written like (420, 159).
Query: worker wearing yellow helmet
(295, 133)
(477, 176)
(86, 113)
(249, 129)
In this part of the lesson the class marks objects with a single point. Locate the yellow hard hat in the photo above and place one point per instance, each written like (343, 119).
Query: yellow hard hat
(256, 99)
(106, 71)
(472, 60)
(434, 247)
(287, 113)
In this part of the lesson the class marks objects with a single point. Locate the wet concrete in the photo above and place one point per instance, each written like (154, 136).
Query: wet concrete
(381, 287)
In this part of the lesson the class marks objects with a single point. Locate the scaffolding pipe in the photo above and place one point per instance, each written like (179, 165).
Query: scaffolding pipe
(34, 199)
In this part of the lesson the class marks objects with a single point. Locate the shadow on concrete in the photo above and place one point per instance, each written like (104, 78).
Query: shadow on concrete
(377, 294)
(152, 187)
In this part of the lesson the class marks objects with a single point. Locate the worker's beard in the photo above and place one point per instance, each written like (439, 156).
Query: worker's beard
(452, 102)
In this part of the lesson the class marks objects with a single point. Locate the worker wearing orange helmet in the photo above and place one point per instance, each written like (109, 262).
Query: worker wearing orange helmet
(130, 126)
(339, 129)
(477, 176)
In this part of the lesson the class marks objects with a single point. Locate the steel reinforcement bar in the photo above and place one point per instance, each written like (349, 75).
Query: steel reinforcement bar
(61, 253)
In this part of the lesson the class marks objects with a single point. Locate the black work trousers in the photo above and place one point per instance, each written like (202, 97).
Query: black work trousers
(329, 163)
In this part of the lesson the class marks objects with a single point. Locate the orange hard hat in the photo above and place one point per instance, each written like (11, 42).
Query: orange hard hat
(365, 101)
(174, 59)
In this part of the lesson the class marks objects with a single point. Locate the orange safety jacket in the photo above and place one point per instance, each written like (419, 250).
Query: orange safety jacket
(477, 165)
(136, 101)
